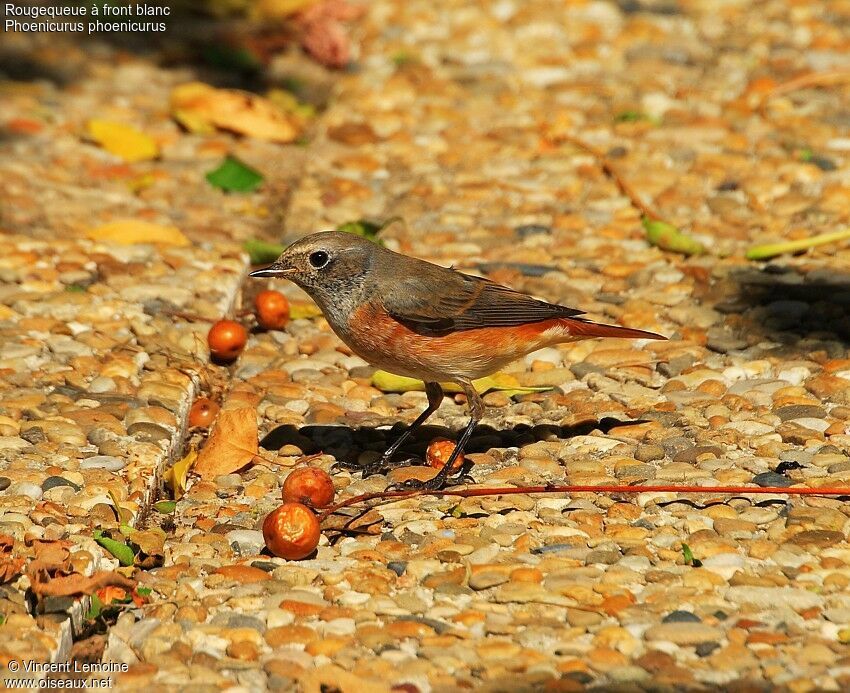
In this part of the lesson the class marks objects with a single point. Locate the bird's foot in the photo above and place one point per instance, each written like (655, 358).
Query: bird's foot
(438, 482)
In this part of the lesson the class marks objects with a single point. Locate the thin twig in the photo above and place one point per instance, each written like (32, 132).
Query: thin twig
(611, 171)
(570, 488)
(810, 79)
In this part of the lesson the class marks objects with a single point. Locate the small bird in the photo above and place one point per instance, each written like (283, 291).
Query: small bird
(420, 320)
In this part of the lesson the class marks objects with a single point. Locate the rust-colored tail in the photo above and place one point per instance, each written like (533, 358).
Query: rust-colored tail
(585, 328)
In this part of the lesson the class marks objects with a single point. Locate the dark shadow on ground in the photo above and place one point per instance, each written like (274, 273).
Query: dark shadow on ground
(346, 442)
(802, 311)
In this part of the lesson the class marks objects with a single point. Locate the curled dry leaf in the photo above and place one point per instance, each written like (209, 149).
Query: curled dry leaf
(175, 477)
(151, 547)
(10, 565)
(200, 108)
(50, 573)
(233, 443)
(58, 585)
(52, 553)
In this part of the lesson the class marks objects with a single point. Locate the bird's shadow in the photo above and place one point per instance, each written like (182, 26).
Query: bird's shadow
(347, 442)
(798, 310)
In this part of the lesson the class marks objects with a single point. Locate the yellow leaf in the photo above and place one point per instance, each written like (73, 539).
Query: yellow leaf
(233, 443)
(130, 231)
(197, 106)
(175, 477)
(307, 311)
(500, 382)
(125, 517)
(123, 140)
(192, 122)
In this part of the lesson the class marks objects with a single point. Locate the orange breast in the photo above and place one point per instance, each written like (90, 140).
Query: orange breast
(382, 341)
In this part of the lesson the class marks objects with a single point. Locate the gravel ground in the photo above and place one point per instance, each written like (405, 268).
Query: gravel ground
(453, 122)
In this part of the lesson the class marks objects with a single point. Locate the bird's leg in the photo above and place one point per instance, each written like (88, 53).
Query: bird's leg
(435, 398)
(476, 412)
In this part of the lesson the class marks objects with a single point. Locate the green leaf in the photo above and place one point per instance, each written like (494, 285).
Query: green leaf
(769, 250)
(144, 591)
(806, 154)
(688, 555)
(166, 507)
(668, 237)
(234, 176)
(95, 607)
(367, 229)
(402, 58)
(630, 116)
(262, 252)
(119, 549)
(75, 288)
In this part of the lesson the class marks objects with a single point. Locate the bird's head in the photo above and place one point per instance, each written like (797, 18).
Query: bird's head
(324, 264)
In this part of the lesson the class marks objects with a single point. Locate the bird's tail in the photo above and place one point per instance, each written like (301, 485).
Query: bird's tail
(586, 328)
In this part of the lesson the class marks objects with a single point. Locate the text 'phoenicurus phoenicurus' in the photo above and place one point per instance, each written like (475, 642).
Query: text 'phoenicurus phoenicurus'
(413, 318)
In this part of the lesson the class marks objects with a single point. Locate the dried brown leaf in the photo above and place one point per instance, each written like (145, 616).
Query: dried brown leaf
(233, 443)
(52, 553)
(150, 542)
(200, 107)
(44, 584)
(10, 565)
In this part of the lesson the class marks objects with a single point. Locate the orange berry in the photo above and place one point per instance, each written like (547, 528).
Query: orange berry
(291, 531)
(203, 412)
(272, 310)
(308, 485)
(438, 454)
(227, 339)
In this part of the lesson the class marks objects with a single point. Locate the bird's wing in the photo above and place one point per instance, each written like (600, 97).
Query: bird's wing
(437, 303)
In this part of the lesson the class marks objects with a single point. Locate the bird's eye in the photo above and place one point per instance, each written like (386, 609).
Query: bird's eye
(319, 259)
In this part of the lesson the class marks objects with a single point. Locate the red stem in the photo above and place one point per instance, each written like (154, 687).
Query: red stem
(569, 488)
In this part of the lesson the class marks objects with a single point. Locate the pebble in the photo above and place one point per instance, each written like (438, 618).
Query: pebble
(681, 617)
(246, 542)
(683, 633)
(106, 462)
(772, 479)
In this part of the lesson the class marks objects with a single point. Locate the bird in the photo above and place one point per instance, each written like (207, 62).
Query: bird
(436, 324)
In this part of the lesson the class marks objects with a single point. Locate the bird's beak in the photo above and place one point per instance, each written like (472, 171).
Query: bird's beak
(273, 270)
